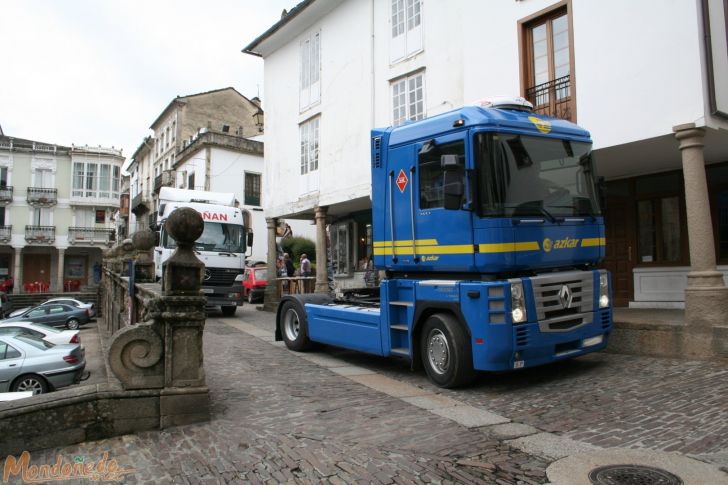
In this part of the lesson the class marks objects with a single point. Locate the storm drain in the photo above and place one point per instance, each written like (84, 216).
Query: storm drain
(632, 475)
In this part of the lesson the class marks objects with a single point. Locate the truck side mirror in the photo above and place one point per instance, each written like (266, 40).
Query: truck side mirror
(454, 188)
(250, 239)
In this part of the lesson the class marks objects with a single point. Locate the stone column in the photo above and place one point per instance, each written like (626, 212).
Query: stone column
(322, 277)
(17, 281)
(59, 275)
(706, 296)
(270, 299)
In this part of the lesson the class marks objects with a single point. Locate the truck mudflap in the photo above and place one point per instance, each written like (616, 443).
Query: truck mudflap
(527, 345)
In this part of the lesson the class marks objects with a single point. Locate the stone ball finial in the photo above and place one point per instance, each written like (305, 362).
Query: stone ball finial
(127, 245)
(143, 240)
(185, 225)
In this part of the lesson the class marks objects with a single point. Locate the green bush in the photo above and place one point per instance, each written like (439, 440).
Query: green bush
(296, 246)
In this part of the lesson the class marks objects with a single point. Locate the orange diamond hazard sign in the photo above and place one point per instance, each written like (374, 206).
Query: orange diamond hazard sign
(402, 180)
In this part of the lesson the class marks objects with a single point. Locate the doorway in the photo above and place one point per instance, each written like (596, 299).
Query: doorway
(621, 257)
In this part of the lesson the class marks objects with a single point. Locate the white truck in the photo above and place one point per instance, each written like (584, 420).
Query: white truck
(221, 246)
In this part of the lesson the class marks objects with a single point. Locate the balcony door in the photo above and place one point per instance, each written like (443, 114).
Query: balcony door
(43, 178)
(548, 62)
(41, 217)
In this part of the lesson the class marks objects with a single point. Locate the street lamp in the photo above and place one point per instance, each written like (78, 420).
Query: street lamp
(258, 119)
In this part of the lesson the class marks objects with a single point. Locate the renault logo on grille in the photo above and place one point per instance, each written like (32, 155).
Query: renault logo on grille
(208, 274)
(565, 296)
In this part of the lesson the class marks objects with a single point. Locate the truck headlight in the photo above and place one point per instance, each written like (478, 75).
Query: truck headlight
(518, 302)
(603, 289)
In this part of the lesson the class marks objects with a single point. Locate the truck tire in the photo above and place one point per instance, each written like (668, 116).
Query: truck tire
(294, 326)
(228, 311)
(446, 351)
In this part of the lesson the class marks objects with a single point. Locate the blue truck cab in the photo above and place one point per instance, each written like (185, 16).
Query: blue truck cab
(487, 226)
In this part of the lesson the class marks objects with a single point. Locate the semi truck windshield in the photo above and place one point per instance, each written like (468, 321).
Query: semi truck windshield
(215, 237)
(532, 176)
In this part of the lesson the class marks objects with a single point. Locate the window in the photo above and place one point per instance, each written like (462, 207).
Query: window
(408, 99)
(43, 178)
(174, 130)
(41, 217)
(8, 352)
(3, 176)
(547, 64)
(659, 230)
(100, 216)
(406, 20)
(96, 180)
(309, 132)
(191, 181)
(310, 90)
(721, 203)
(252, 189)
(432, 175)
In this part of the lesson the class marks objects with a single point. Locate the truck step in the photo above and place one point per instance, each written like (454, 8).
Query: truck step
(400, 327)
(401, 351)
(401, 303)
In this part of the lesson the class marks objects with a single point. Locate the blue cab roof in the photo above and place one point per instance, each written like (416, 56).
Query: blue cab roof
(491, 119)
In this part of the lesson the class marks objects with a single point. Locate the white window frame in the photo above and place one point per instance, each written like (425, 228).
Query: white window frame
(408, 98)
(310, 71)
(310, 133)
(405, 29)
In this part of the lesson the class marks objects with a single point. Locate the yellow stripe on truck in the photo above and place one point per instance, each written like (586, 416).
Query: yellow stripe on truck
(509, 247)
(593, 241)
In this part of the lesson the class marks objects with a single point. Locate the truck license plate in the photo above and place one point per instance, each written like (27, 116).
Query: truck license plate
(518, 364)
(208, 290)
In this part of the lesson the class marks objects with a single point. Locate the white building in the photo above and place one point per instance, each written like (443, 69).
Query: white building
(628, 71)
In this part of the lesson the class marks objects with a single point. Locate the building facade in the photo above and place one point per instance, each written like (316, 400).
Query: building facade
(636, 86)
(57, 213)
(209, 141)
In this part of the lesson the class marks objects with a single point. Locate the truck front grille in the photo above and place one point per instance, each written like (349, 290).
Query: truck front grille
(556, 313)
(220, 276)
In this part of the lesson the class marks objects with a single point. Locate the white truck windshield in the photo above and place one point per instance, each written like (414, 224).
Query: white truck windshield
(215, 237)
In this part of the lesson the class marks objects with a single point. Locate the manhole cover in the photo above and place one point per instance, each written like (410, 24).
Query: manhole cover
(632, 475)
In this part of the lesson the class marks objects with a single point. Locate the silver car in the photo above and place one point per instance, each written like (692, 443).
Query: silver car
(31, 364)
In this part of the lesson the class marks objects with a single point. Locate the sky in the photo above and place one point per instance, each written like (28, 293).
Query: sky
(99, 72)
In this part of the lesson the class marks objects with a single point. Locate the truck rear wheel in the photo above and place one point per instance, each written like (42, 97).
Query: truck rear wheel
(294, 326)
(228, 311)
(446, 351)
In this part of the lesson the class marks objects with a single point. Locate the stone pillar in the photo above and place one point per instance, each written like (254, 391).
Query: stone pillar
(17, 275)
(706, 296)
(59, 276)
(270, 299)
(322, 277)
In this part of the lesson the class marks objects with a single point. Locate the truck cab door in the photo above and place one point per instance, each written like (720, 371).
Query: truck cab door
(442, 217)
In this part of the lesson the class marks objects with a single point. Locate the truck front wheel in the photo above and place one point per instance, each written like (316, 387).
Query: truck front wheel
(228, 311)
(293, 325)
(446, 351)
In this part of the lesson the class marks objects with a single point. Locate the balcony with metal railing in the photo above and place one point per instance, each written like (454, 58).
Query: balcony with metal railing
(90, 235)
(6, 194)
(40, 234)
(6, 233)
(553, 98)
(41, 196)
(141, 204)
(164, 179)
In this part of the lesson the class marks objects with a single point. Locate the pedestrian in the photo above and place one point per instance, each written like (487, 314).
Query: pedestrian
(290, 269)
(305, 266)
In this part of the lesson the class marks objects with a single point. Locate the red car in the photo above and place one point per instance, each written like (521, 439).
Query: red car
(255, 280)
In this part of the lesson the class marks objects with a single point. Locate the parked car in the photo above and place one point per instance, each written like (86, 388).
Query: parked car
(5, 305)
(30, 364)
(41, 331)
(54, 315)
(255, 280)
(73, 302)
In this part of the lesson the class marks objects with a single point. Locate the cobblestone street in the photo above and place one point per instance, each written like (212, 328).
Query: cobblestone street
(340, 417)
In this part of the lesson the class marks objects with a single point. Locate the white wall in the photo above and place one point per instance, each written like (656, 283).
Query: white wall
(345, 110)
